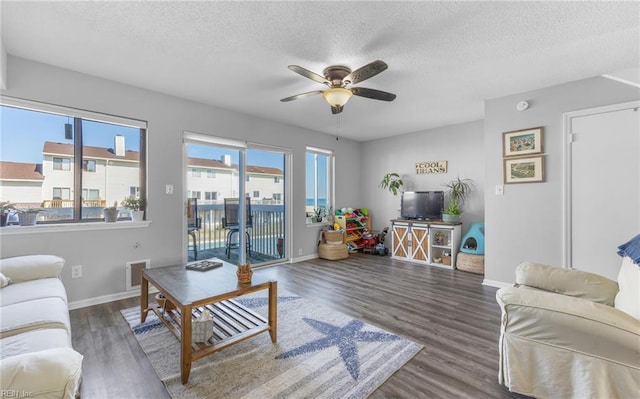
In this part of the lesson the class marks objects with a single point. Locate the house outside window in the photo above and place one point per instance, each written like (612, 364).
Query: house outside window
(195, 172)
(256, 194)
(61, 164)
(277, 196)
(211, 174)
(115, 145)
(276, 179)
(319, 179)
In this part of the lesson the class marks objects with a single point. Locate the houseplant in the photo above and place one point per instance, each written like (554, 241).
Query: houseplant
(6, 207)
(392, 182)
(457, 191)
(135, 205)
(111, 213)
(319, 213)
(29, 216)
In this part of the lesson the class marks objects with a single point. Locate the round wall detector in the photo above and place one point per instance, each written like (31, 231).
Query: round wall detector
(522, 105)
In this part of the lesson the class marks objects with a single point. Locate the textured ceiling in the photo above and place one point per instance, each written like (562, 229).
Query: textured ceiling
(445, 58)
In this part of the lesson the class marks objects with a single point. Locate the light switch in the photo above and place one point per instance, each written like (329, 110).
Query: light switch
(169, 189)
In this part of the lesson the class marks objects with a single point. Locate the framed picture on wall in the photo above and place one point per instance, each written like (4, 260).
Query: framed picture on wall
(522, 142)
(524, 169)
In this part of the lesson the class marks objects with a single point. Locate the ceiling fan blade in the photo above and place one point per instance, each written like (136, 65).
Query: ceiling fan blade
(309, 75)
(301, 95)
(366, 72)
(336, 109)
(373, 94)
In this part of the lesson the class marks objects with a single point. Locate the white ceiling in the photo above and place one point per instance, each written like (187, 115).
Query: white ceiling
(445, 58)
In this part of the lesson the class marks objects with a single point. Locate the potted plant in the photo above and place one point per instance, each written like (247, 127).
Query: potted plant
(7, 207)
(29, 216)
(392, 182)
(458, 190)
(319, 213)
(135, 205)
(111, 213)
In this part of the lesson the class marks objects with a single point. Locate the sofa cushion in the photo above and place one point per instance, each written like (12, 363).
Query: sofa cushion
(34, 289)
(570, 282)
(34, 341)
(39, 313)
(31, 267)
(51, 373)
(628, 298)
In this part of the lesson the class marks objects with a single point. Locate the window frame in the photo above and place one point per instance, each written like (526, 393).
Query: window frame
(330, 178)
(78, 115)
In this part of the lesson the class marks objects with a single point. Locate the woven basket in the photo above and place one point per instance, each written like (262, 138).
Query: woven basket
(333, 252)
(470, 263)
(334, 237)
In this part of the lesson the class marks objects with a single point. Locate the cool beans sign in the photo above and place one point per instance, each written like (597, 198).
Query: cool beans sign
(431, 167)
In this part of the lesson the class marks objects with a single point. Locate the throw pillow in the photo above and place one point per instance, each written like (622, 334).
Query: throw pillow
(631, 249)
(4, 280)
(628, 297)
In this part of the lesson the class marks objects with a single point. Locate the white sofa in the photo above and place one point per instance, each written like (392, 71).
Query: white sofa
(571, 334)
(36, 356)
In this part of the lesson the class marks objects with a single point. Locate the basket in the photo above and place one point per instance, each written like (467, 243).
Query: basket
(470, 263)
(446, 260)
(333, 251)
(334, 237)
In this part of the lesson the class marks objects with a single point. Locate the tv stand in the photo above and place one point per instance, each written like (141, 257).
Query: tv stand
(430, 242)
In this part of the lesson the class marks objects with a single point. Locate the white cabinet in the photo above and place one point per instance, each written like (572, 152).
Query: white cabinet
(429, 243)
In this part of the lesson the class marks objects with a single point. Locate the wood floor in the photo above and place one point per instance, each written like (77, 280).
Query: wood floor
(451, 313)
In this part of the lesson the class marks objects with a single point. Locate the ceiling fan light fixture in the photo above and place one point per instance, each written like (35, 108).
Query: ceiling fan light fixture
(337, 96)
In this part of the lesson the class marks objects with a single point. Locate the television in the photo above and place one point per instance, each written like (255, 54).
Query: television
(422, 205)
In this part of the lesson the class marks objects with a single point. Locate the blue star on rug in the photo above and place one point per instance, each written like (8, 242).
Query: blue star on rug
(345, 338)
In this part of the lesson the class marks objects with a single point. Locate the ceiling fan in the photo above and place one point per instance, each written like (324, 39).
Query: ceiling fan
(338, 78)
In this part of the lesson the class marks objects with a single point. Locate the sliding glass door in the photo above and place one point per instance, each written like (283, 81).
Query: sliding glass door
(217, 172)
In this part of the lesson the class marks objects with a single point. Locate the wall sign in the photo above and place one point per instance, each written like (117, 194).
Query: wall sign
(429, 167)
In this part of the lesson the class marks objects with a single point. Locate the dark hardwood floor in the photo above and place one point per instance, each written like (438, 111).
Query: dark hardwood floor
(451, 313)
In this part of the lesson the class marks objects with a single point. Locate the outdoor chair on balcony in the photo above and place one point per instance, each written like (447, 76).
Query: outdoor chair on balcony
(231, 224)
(193, 224)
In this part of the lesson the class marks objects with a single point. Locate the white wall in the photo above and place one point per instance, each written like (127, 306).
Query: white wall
(104, 253)
(526, 222)
(460, 145)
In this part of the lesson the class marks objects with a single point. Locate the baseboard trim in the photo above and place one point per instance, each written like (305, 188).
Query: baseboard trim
(497, 284)
(83, 303)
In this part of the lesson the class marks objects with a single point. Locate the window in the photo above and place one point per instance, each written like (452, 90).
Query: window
(277, 196)
(319, 179)
(102, 157)
(247, 178)
(211, 195)
(195, 172)
(211, 174)
(89, 165)
(276, 179)
(134, 191)
(61, 193)
(61, 164)
(256, 194)
(90, 194)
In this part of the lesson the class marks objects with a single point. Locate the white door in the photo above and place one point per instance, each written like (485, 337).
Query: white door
(604, 186)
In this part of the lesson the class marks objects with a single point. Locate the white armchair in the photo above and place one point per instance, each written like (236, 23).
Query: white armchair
(562, 337)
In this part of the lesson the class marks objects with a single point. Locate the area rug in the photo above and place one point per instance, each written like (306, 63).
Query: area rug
(320, 353)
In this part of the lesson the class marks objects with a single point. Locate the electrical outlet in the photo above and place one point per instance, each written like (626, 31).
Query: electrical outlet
(169, 189)
(76, 271)
(499, 189)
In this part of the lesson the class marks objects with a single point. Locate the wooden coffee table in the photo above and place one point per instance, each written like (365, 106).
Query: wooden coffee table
(193, 292)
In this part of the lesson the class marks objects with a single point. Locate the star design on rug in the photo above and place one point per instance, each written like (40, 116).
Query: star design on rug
(345, 338)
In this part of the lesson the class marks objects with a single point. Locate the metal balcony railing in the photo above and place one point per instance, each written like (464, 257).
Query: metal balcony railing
(268, 226)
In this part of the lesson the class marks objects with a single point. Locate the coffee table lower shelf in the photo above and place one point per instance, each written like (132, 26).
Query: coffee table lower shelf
(232, 322)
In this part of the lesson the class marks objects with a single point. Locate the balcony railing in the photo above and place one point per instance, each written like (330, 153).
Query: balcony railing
(268, 226)
(98, 203)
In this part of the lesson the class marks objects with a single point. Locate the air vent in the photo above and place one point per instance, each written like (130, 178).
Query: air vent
(134, 270)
